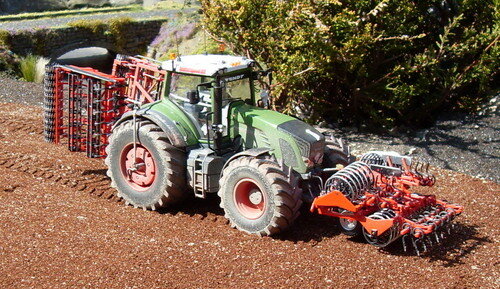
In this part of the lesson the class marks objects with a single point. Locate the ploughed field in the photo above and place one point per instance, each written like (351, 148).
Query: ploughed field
(61, 226)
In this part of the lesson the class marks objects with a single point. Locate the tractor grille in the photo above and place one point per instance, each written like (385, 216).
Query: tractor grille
(287, 153)
(310, 142)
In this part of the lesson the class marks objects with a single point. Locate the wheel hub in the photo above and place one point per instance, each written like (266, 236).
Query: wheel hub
(249, 199)
(255, 196)
(138, 167)
(347, 224)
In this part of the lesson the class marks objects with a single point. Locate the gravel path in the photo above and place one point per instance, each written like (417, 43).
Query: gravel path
(463, 143)
(61, 21)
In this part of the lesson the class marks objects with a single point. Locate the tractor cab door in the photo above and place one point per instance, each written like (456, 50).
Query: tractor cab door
(193, 99)
(195, 96)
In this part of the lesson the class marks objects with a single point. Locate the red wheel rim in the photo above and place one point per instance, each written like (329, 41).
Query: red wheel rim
(249, 199)
(138, 171)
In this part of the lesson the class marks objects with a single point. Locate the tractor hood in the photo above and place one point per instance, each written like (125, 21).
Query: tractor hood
(310, 141)
(296, 142)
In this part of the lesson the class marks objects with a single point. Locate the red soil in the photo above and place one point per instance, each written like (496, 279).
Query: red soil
(61, 226)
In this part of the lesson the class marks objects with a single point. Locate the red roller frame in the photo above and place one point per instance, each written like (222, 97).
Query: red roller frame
(88, 102)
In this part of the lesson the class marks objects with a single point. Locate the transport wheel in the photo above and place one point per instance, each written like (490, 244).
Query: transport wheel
(349, 227)
(336, 153)
(152, 174)
(257, 196)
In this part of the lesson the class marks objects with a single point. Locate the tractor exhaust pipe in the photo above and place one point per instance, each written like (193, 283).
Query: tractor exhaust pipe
(217, 114)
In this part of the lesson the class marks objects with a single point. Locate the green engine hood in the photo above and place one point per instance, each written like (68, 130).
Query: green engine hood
(290, 139)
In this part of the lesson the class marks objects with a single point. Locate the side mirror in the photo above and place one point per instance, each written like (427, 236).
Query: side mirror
(193, 96)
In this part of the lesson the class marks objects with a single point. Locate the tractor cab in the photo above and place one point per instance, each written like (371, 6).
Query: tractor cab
(205, 86)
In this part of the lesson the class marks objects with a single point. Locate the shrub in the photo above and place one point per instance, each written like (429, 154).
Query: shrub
(175, 34)
(379, 63)
(8, 61)
(4, 37)
(117, 27)
(96, 26)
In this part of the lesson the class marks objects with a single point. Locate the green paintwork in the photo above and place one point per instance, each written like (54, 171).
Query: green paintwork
(179, 117)
(258, 128)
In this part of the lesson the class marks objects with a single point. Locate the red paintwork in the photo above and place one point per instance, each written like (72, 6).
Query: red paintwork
(241, 194)
(138, 168)
(85, 115)
(393, 193)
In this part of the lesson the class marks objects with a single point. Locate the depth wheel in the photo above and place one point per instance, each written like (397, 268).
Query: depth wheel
(383, 240)
(349, 227)
(257, 197)
(151, 174)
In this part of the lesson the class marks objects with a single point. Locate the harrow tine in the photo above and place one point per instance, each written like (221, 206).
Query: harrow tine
(404, 243)
(424, 246)
(437, 237)
(414, 243)
(429, 239)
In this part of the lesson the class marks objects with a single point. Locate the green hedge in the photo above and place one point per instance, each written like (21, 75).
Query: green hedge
(375, 63)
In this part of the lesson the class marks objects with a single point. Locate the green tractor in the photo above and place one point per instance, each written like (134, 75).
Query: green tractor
(194, 125)
(210, 133)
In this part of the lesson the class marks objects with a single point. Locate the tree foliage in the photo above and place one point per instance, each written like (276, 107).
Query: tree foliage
(379, 63)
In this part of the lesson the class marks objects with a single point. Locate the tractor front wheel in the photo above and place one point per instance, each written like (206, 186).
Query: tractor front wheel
(149, 174)
(257, 197)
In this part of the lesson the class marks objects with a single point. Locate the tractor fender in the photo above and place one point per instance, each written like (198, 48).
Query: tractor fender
(255, 152)
(166, 124)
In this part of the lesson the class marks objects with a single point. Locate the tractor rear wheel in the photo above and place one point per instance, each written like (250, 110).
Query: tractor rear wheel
(257, 197)
(150, 174)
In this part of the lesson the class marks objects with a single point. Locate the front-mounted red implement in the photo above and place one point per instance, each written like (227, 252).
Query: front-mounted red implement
(373, 196)
(82, 104)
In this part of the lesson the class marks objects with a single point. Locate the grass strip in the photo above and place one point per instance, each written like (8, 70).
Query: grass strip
(53, 14)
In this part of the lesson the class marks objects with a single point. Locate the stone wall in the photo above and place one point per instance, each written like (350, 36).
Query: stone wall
(133, 38)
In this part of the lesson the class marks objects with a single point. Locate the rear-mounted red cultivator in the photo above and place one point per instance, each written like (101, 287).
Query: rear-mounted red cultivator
(372, 197)
(82, 104)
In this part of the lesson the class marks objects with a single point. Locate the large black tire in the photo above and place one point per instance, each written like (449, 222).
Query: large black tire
(336, 153)
(163, 185)
(257, 196)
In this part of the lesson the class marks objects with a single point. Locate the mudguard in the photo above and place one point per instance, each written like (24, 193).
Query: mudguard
(166, 124)
(255, 152)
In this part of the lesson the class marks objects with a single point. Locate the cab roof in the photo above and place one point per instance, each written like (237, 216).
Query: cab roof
(206, 64)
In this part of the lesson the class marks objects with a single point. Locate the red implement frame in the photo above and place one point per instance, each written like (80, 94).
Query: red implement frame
(82, 104)
(414, 214)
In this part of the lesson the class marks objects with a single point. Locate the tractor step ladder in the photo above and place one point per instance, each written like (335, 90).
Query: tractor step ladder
(199, 181)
